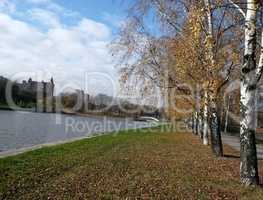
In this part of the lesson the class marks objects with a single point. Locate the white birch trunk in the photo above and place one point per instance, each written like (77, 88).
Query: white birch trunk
(209, 18)
(227, 114)
(193, 122)
(260, 65)
(210, 34)
(216, 141)
(200, 125)
(224, 110)
(198, 111)
(196, 123)
(205, 130)
(248, 152)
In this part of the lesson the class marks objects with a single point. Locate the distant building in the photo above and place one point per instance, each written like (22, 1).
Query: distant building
(29, 93)
(41, 89)
(3, 79)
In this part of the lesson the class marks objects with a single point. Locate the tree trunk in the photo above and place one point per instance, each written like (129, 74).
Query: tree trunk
(200, 127)
(227, 114)
(216, 140)
(248, 151)
(196, 123)
(193, 122)
(198, 111)
(205, 128)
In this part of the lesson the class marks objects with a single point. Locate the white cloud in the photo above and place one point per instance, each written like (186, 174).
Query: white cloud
(51, 5)
(93, 29)
(63, 51)
(44, 17)
(39, 1)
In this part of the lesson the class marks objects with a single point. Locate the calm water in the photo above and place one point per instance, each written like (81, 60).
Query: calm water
(22, 129)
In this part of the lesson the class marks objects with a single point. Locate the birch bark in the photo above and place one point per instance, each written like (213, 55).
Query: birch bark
(205, 131)
(193, 122)
(248, 151)
(200, 125)
(196, 123)
(227, 114)
(216, 141)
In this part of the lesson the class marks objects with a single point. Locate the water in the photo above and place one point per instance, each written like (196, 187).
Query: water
(23, 129)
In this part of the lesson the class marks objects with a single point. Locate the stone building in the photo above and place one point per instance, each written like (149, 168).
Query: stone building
(42, 91)
(39, 88)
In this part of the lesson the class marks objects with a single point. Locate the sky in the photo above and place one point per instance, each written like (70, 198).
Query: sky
(64, 39)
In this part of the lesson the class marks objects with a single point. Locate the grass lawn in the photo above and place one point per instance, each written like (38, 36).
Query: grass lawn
(141, 165)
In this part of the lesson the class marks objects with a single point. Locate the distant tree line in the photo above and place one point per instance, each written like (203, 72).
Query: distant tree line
(105, 105)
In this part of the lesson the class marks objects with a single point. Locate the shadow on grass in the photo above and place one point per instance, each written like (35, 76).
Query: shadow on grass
(231, 156)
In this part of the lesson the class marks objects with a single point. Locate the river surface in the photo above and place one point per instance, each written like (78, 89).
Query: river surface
(24, 129)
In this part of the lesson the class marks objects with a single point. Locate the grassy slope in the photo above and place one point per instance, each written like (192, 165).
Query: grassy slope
(149, 165)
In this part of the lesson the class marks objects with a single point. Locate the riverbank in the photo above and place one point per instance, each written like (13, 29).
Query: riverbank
(20, 131)
(146, 164)
(8, 108)
(68, 112)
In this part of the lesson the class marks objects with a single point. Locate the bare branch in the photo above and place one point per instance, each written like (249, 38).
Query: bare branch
(238, 8)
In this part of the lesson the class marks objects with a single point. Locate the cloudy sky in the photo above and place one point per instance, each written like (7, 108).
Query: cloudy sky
(65, 39)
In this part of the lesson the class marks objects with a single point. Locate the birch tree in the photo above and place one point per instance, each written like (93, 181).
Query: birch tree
(250, 75)
(207, 61)
(227, 114)
(213, 65)
(249, 72)
(198, 51)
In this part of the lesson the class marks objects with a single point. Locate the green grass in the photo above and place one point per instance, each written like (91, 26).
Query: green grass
(135, 165)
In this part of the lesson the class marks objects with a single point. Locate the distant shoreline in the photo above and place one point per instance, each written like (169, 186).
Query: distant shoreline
(22, 109)
(67, 113)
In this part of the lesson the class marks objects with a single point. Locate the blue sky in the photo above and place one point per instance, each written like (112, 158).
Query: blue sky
(98, 9)
(109, 12)
(68, 40)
